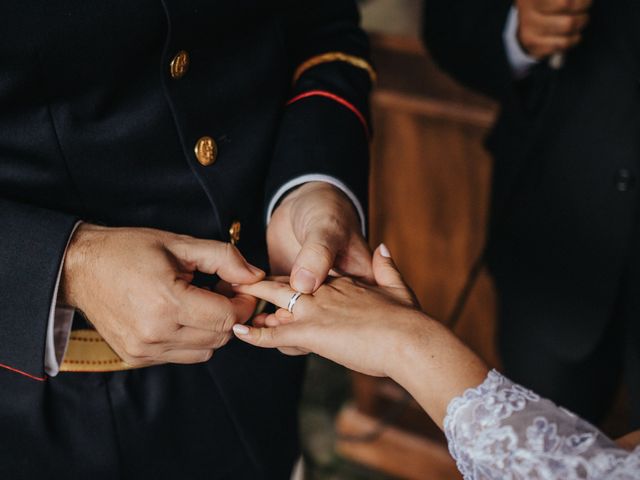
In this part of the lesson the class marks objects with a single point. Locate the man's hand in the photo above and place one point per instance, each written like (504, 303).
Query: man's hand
(551, 26)
(134, 286)
(314, 230)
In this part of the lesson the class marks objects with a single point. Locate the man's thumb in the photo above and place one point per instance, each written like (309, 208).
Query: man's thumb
(314, 261)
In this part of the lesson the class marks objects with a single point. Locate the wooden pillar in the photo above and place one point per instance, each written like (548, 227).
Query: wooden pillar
(430, 185)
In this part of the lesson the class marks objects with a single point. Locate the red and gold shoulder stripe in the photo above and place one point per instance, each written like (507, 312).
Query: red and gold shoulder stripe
(352, 60)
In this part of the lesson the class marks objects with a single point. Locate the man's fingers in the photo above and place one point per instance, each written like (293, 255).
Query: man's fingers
(564, 6)
(541, 46)
(562, 25)
(558, 44)
(273, 292)
(187, 356)
(316, 258)
(244, 306)
(189, 338)
(210, 311)
(209, 256)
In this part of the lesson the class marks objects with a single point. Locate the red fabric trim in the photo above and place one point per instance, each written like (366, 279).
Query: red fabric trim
(335, 98)
(15, 370)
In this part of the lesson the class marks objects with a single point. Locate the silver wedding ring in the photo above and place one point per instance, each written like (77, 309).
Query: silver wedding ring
(292, 301)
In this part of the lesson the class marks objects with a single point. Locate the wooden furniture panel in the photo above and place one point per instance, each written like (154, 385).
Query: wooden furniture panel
(430, 186)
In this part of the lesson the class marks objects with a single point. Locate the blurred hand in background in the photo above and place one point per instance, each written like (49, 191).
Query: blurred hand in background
(547, 27)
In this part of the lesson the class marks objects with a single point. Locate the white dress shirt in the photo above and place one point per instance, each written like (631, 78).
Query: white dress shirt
(519, 60)
(61, 316)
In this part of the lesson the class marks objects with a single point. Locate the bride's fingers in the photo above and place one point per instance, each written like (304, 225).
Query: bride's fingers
(293, 335)
(384, 269)
(387, 275)
(284, 316)
(273, 292)
(272, 321)
(294, 351)
(279, 278)
(260, 320)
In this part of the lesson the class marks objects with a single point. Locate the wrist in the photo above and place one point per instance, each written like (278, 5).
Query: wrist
(434, 366)
(75, 262)
(307, 187)
(409, 347)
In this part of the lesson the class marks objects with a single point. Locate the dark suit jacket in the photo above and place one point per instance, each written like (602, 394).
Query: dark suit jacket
(566, 149)
(93, 128)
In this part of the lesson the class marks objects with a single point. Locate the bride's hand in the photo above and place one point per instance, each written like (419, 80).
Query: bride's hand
(361, 327)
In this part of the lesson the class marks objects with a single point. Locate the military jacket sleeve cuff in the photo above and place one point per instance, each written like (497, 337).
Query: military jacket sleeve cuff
(59, 324)
(296, 182)
(32, 245)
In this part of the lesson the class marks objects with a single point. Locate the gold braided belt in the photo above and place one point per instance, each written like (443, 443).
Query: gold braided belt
(88, 352)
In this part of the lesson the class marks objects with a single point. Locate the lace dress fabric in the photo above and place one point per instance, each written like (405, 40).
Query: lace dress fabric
(502, 431)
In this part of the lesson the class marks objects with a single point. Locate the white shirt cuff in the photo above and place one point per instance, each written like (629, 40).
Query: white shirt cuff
(317, 177)
(59, 325)
(519, 60)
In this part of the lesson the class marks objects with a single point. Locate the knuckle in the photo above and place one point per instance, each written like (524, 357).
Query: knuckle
(186, 239)
(566, 24)
(219, 341)
(272, 335)
(321, 251)
(301, 309)
(135, 350)
(527, 39)
(161, 305)
(573, 5)
(207, 341)
(341, 283)
(148, 334)
(229, 319)
(574, 24)
(263, 336)
(230, 251)
(133, 361)
(206, 355)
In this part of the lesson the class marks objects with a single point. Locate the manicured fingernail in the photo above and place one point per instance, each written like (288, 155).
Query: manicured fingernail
(384, 251)
(304, 281)
(240, 329)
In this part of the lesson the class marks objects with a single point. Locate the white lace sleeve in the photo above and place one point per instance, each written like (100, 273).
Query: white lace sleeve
(501, 430)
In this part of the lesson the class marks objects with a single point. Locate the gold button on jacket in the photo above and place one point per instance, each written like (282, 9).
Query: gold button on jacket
(234, 232)
(206, 151)
(179, 64)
